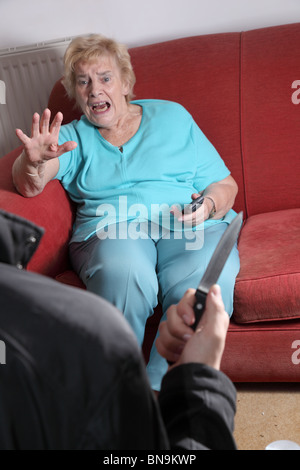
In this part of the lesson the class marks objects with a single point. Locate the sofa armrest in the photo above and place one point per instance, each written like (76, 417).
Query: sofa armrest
(52, 210)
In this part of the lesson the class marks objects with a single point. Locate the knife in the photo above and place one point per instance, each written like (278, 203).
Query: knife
(216, 265)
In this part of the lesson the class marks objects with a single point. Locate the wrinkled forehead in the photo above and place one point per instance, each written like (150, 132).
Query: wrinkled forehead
(99, 62)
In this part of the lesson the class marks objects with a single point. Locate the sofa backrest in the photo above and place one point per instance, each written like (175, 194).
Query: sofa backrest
(238, 87)
(270, 118)
(202, 74)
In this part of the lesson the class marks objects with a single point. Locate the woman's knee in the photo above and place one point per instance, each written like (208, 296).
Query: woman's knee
(120, 272)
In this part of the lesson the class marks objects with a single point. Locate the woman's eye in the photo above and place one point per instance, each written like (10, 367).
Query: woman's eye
(106, 79)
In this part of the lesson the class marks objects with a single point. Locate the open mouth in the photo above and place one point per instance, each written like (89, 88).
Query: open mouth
(100, 107)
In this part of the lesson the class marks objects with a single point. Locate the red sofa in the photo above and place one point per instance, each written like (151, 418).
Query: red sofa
(241, 89)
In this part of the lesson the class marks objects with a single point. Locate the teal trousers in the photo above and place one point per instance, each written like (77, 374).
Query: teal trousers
(137, 268)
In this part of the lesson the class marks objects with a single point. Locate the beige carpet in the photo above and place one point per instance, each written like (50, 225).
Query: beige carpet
(267, 413)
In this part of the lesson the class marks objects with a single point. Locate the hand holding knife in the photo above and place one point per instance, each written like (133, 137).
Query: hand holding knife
(215, 267)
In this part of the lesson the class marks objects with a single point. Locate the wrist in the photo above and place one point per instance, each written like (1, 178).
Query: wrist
(28, 167)
(211, 207)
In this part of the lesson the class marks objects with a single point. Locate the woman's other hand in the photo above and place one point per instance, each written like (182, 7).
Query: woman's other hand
(189, 218)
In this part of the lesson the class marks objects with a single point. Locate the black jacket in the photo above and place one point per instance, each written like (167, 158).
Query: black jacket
(74, 376)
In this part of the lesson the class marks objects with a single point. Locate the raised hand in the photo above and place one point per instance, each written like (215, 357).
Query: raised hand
(38, 163)
(43, 143)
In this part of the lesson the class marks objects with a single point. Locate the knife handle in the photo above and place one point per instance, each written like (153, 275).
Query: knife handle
(199, 307)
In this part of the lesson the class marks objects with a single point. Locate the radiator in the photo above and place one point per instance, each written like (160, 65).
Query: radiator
(27, 75)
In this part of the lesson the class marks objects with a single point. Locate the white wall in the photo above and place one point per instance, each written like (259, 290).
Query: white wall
(136, 22)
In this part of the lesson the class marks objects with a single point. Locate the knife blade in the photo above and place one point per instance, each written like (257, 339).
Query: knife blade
(216, 265)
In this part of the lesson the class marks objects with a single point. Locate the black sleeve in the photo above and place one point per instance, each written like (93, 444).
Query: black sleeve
(197, 403)
(74, 376)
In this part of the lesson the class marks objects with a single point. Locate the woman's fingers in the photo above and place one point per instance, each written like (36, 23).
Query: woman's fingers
(35, 126)
(41, 125)
(45, 121)
(43, 143)
(43, 134)
(189, 219)
(22, 137)
(56, 125)
(66, 147)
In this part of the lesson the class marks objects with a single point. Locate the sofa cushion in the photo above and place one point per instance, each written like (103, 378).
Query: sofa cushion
(262, 352)
(267, 286)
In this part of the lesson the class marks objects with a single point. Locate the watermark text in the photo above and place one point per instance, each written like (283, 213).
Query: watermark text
(296, 94)
(2, 92)
(296, 353)
(137, 221)
(2, 352)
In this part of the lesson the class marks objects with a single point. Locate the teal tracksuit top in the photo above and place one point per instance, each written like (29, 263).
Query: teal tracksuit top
(167, 160)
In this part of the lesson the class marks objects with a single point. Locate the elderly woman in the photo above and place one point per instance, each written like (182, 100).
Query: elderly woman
(131, 166)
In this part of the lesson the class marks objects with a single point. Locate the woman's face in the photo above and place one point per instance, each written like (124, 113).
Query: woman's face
(100, 91)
